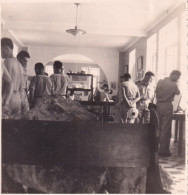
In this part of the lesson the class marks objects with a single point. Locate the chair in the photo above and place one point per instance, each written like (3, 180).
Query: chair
(154, 183)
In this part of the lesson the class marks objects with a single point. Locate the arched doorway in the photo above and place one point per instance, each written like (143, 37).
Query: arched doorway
(77, 63)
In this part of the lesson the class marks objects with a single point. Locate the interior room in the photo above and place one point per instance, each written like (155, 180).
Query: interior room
(78, 140)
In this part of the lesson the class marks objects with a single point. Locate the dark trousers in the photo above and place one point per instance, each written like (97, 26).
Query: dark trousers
(165, 113)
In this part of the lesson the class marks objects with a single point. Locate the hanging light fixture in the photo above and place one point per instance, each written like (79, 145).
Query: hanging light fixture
(76, 31)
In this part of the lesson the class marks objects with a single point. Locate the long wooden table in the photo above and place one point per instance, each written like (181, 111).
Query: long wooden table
(179, 129)
(105, 105)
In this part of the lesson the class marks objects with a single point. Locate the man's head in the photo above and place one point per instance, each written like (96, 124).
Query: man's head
(22, 58)
(126, 77)
(58, 67)
(39, 68)
(105, 87)
(175, 75)
(149, 77)
(6, 48)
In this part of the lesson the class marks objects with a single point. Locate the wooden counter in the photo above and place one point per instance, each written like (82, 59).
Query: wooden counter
(75, 144)
(105, 107)
(37, 154)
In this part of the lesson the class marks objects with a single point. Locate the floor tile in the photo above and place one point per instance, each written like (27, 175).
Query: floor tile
(174, 167)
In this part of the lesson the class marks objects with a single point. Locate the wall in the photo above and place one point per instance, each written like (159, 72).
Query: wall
(6, 33)
(122, 64)
(141, 45)
(107, 59)
(77, 67)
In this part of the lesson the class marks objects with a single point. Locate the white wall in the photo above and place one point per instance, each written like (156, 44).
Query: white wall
(107, 59)
(140, 47)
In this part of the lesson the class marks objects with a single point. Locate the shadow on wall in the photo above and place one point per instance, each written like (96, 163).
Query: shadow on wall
(76, 63)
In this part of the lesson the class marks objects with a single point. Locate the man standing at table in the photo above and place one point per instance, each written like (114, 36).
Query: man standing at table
(22, 58)
(15, 71)
(147, 92)
(166, 90)
(128, 96)
(59, 81)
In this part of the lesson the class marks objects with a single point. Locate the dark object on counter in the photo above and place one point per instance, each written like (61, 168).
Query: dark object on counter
(154, 183)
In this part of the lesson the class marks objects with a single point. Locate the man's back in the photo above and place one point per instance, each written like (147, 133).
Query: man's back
(59, 83)
(131, 89)
(42, 85)
(15, 72)
(166, 90)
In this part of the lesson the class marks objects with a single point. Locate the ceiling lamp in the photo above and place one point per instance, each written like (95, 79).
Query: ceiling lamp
(76, 31)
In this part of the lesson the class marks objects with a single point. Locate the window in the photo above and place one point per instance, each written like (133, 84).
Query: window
(151, 53)
(183, 60)
(15, 50)
(167, 51)
(168, 44)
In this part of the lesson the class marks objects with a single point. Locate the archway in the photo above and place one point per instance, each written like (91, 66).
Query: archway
(77, 63)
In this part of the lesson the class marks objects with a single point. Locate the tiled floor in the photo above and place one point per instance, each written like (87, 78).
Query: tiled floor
(174, 169)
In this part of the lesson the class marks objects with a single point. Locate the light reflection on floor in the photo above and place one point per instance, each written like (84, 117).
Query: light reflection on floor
(175, 167)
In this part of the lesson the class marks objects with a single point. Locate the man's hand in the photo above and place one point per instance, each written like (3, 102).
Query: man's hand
(25, 108)
(5, 111)
(142, 97)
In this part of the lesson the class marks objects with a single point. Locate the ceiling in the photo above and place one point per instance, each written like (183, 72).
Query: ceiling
(109, 23)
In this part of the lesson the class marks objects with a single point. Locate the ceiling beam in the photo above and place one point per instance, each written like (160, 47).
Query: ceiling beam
(15, 37)
(62, 27)
(128, 45)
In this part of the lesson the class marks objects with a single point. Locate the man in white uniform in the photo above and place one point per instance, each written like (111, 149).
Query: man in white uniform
(15, 71)
(40, 86)
(147, 91)
(129, 95)
(165, 92)
(7, 86)
(59, 81)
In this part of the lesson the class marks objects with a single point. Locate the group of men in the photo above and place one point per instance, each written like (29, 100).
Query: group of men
(139, 95)
(12, 80)
(135, 95)
(42, 86)
(17, 96)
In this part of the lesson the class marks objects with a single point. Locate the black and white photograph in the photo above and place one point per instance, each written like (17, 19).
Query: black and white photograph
(93, 97)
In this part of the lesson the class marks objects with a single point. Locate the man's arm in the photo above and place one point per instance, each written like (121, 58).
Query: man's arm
(8, 65)
(65, 84)
(31, 91)
(125, 97)
(24, 104)
(9, 87)
(53, 86)
(177, 91)
(136, 99)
